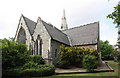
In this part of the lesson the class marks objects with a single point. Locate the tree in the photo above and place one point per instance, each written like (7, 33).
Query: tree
(116, 55)
(106, 50)
(115, 15)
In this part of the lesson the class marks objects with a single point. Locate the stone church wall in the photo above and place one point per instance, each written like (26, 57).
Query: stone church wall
(46, 40)
(55, 46)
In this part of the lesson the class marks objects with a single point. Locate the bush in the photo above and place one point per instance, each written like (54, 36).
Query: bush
(40, 70)
(37, 59)
(12, 72)
(63, 64)
(73, 56)
(30, 64)
(14, 54)
(90, 62)
(118, 58)
(16, 61)
(51, 69)
(46, 71)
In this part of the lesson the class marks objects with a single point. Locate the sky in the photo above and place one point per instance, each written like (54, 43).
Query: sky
(78, 12)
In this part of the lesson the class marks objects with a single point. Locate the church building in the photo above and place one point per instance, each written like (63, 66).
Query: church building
(45, 39)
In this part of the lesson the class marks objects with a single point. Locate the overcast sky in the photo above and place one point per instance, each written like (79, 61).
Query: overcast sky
(78, 12)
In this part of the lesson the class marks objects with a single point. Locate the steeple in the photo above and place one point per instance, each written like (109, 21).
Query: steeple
(64, 22)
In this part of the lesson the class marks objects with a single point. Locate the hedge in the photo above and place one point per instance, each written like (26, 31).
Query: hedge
(41, 70)
(37, 59)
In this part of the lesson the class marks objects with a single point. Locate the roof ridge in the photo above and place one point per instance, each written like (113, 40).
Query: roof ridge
(82, 25)
(47, 23)
(28, 19)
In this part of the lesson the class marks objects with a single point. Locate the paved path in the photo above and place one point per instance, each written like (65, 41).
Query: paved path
(104, 67)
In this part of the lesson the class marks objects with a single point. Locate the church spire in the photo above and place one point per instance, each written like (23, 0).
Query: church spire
(64, 22)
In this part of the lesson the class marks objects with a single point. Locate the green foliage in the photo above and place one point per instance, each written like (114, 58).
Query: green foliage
(73, 56)
(37, 59)
(106, 50)
(40, 70)
(30, 64)
(115, 15)
(118, 44)
(116, 55)
(63, 64)
(17, 61)
(118, 58)
(90, 62)
(12, 72)
(14, 54)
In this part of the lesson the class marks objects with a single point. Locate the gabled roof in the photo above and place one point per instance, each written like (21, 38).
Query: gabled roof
(56, 34)
(83, 35)
(31, 24)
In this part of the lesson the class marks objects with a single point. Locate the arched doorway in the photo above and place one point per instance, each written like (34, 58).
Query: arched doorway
(22, 36)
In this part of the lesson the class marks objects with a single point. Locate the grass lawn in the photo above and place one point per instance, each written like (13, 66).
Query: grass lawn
(113, 64)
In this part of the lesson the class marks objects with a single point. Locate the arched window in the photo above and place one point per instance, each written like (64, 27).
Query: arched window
(22, 36)
(40, 47)
(36, 43)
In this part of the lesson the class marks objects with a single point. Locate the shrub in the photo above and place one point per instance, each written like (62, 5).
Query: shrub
(50, 69)
(16, 61)
(78, 62)
(40, 70)
(73, 56)
(14, 54)
(12, 72)
(63, 64)
(118, 58)
(37, 59)
(90, 62)
(30, 64)
(37, 72)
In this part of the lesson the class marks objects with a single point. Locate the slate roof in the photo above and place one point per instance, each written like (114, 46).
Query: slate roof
(83, 35)
(55, 33)
(31, 24)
